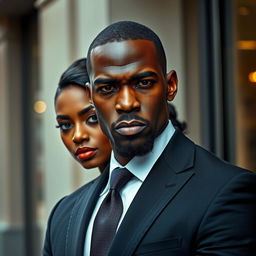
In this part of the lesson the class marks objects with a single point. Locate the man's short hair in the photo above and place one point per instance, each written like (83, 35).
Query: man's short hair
(128, 30)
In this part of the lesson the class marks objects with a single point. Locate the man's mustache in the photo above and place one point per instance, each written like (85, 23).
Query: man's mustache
(129, 117)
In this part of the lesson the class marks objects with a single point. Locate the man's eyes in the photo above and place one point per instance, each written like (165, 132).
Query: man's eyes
(106, 89)
(136, 84)
(145, 83)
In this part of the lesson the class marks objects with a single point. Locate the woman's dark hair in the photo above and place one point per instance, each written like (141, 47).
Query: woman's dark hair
(75, 74)
(174, 119)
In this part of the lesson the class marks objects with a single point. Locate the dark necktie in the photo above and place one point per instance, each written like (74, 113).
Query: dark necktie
(109, 213)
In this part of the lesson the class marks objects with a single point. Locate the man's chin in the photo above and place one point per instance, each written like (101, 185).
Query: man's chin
(130, 149)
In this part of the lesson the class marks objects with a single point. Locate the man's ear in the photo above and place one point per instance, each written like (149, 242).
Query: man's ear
(172, 85)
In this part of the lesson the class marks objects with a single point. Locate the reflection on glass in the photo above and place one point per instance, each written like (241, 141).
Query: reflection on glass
(246, 83)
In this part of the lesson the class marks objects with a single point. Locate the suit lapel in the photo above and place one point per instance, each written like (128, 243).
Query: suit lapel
(81, 214)
(165, 180)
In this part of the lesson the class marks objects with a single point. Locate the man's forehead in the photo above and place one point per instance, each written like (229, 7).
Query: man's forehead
(111, 48)
(125, 53)
(117, 49)
(122, 68)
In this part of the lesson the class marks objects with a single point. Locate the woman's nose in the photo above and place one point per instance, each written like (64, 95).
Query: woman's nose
(80, 134)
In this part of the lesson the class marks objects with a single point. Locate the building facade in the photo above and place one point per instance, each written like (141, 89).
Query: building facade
(211, 45)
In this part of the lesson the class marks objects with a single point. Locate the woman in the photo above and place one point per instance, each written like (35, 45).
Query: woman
(77, 120)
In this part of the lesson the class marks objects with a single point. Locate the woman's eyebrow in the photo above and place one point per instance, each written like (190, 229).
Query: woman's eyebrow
(85, 110)
(64, 117)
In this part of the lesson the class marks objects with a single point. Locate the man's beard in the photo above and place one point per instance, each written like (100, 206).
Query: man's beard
(130, 150)
(127, 147)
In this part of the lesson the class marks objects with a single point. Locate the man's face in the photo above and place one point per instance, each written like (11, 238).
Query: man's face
(130, 94)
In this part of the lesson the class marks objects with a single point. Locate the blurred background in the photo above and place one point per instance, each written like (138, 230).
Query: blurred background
(210, 43)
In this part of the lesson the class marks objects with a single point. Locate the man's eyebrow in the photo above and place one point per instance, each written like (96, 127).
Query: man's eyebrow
(143, 74)
(85, 110)
(134, 77)
(104, 81)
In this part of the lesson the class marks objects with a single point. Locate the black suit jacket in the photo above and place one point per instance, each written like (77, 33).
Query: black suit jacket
(191, 203)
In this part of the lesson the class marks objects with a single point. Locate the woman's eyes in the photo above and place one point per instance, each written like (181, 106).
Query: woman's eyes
(92, 119)
(64, 126)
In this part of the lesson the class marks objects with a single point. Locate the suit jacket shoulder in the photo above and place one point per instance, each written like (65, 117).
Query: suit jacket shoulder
(191, 203)
(60, 219)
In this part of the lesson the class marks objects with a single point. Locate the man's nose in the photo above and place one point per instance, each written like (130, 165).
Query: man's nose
(80, 134)
(127, 100)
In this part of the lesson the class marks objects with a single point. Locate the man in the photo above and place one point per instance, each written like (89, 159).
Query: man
(181, 200)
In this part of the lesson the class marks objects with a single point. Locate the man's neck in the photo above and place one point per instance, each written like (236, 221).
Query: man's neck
(122, 160)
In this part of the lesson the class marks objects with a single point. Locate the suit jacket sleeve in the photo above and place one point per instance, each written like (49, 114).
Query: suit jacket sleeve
(229, 225)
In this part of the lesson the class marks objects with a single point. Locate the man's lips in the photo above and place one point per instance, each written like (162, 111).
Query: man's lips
(85, 153)
(129, 128)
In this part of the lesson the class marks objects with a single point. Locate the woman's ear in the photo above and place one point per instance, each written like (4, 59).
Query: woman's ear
(172, 85)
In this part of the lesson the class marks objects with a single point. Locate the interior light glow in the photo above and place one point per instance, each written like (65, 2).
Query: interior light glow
(252, 77)
(244, 11)
(40, 106)
(246, 45)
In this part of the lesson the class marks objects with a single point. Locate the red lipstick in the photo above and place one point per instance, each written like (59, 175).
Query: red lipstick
(85, 153)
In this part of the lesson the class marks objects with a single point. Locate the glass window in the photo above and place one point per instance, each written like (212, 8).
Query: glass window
(246, 83)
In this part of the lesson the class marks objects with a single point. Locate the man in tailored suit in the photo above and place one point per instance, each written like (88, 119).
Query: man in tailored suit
(181, 199)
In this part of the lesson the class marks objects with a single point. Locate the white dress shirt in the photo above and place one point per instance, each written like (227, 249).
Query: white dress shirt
(140, 167)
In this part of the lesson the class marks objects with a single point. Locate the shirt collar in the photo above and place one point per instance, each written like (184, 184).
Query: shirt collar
(140, 166)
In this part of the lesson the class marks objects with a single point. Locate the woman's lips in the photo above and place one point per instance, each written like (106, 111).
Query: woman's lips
(130, 128)
(85, 153)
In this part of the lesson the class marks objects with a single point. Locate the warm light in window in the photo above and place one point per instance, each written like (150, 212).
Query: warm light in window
(39, 107)
(252, 77)
(246, 45)
(244, 11)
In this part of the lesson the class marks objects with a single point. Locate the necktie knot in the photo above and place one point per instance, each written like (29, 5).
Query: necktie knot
(119, 177)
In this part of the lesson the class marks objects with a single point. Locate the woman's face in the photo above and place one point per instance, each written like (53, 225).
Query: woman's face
(79, 128)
